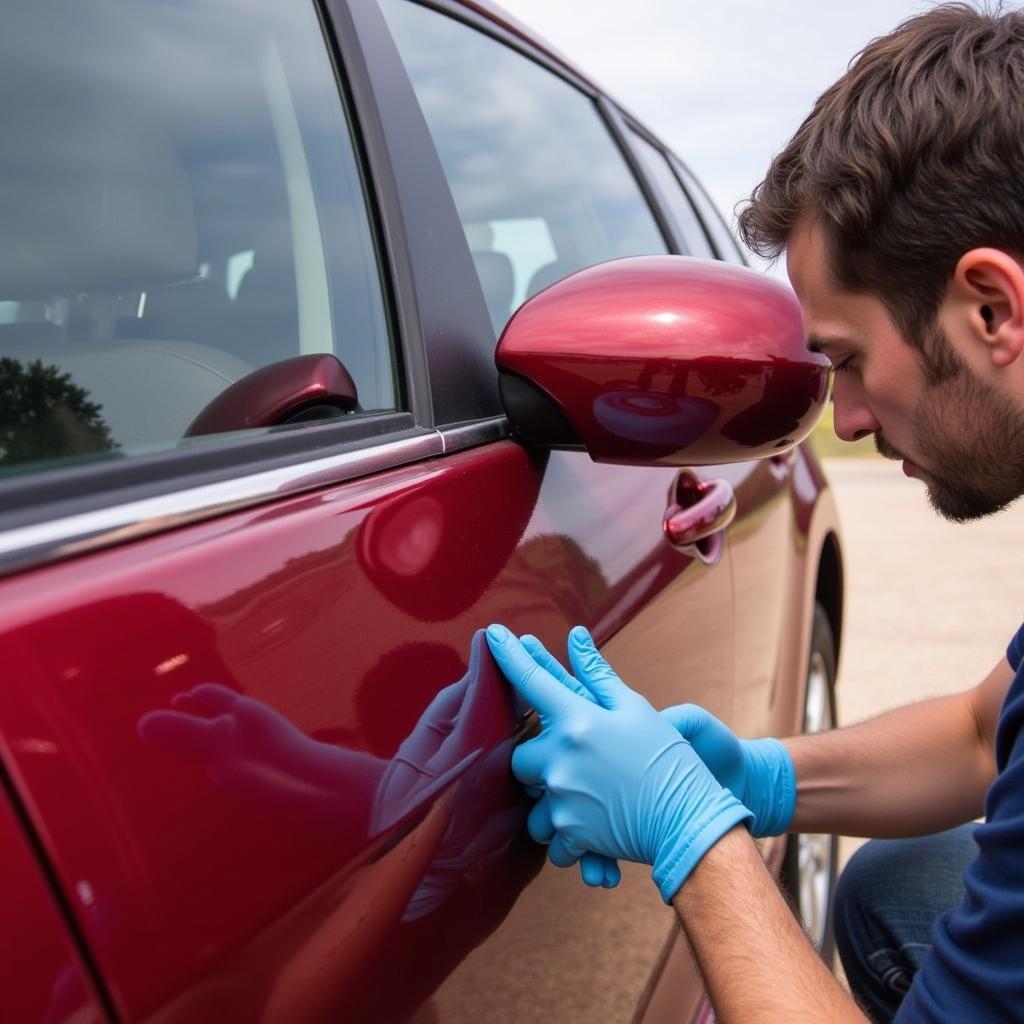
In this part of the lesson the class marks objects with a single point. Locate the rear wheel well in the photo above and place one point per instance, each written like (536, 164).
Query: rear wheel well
(829, 587)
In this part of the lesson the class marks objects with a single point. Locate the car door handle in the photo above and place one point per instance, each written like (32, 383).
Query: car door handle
(700, 514)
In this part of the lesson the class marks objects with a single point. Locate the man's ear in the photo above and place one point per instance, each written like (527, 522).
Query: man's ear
(985, 301)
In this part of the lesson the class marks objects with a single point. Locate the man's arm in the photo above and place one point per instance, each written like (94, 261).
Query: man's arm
(756, 961)
(915, 770)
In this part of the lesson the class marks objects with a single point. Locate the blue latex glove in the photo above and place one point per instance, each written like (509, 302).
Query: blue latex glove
(595, 868)
(619, 779)
(759, 773)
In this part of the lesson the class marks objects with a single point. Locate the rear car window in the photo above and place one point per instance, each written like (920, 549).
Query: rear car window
(728, 247)
(678, 203)
(540, 185)
(181, 206)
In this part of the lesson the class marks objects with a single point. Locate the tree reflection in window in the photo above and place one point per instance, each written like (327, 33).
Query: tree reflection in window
(45, 415)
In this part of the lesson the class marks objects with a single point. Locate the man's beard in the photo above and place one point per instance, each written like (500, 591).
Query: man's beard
(972, 438)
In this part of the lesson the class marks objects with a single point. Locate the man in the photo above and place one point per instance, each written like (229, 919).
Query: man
(900, 206)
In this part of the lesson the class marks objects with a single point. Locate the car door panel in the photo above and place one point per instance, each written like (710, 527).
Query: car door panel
(42, 974)
(216, 704)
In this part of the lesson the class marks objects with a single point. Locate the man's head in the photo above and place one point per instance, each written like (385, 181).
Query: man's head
(900, 203)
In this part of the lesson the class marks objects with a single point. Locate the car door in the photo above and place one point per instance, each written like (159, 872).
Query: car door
(543, 185)
(246, 713)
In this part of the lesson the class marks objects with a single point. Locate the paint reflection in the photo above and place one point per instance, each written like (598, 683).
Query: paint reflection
(684, 408)
(255, 751)
(416, 537)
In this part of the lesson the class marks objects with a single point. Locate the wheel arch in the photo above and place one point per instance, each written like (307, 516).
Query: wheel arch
(828, 590)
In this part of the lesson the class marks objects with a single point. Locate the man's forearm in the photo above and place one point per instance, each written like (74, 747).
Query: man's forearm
(756, 961)
(912, 771)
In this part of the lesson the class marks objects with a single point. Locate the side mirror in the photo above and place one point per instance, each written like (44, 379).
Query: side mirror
(664, 360)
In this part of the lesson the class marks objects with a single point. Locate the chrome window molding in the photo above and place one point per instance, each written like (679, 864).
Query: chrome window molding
(43, 543)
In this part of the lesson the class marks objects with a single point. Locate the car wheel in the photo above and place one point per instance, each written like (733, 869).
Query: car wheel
(811, 864)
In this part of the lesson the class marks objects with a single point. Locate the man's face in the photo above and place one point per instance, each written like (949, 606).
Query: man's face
(953, 430)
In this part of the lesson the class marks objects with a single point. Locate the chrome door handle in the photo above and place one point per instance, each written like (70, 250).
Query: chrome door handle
(700, 514)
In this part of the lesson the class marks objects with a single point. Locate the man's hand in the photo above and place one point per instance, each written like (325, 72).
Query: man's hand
(759, 773)
(619, 779)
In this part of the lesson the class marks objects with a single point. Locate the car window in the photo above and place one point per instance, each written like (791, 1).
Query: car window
(540, 185)
(727, 246)
(181, 206)
(682, 211)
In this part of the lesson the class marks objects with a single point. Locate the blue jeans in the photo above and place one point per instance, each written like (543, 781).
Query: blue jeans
(887, 900)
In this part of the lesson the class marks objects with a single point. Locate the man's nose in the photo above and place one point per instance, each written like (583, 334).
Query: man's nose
(852, 415)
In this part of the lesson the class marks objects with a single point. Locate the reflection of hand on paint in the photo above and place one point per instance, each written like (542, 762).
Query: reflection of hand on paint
(249, 746)
(436, 752)
(252, 748)
(482, 820)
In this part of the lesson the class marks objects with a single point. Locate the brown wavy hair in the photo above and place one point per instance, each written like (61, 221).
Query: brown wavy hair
(914, 157)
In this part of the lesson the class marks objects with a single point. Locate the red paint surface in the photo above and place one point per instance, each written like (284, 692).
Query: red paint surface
(41, 975)
(671, 360)
(238, 856)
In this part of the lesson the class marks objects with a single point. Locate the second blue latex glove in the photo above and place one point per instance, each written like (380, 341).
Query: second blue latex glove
(759, 773)
(619, 778)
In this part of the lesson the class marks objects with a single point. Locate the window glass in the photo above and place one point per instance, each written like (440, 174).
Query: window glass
(540, 185)
(727, 246)
(181, 206)
(683, 214)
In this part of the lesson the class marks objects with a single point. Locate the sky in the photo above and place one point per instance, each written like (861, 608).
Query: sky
(724, 83)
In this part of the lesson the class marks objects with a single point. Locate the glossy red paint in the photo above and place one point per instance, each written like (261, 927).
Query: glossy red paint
(278, 393)
(202, 725)
(41, 975)
(670, 360)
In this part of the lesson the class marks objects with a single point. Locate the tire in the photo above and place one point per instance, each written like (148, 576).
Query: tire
(810, 867)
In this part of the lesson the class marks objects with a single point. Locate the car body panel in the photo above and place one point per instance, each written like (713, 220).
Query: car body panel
(42, 976)
(215, 877)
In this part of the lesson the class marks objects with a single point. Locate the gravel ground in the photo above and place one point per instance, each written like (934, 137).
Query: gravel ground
(931, 605)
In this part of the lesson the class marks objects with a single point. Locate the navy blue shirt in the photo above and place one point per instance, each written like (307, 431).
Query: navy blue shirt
(976, 968)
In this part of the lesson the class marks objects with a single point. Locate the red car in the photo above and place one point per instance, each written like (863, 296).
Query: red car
(264, 475)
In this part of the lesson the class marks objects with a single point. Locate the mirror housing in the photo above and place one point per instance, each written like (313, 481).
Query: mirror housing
(662, 360)
(297, 390)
